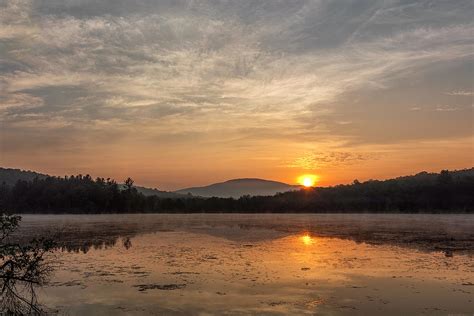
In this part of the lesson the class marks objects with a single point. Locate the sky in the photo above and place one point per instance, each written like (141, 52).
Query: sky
(178, 93)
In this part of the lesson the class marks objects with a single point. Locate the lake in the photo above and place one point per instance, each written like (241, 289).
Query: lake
(265, 264)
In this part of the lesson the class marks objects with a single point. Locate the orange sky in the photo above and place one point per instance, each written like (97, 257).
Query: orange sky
(177, 94)
(186, 168)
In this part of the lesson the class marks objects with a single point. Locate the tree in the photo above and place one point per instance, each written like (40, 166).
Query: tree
(445, 177)
(129, 184)
(22, 269)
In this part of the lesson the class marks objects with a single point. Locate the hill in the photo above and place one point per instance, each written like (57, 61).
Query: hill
(239, 187)
(11, 176)
(162, 194)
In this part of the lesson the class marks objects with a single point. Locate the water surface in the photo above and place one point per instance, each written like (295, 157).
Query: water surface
(259, 264)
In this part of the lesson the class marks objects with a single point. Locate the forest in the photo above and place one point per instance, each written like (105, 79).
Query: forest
(446, 192)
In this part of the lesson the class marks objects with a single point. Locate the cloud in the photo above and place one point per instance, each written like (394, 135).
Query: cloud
(248, 72)
(320, 160)
(461, 93)
(446, 108)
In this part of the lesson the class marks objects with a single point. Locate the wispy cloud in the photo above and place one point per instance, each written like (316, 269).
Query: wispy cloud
(461, 93)
(446, 108)
(200, 58)
(249, 71)
(319, 160)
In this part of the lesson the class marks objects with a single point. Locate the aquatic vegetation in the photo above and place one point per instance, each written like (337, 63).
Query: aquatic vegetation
(165, 287)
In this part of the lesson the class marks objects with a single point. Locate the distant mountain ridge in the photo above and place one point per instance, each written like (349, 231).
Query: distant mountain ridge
(11, 176)
(253, 186)
(239, 187)
(162, 194)
(232, 188)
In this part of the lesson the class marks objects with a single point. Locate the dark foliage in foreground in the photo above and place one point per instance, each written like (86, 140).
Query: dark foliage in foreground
(447, 192)
(23, 268)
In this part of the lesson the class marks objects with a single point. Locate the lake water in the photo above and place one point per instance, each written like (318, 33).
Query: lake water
(259, 264)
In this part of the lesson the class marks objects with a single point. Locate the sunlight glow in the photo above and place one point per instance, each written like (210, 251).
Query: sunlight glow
(307, 239)
(308, 180)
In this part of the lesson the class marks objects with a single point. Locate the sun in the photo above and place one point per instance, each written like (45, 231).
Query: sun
(308, 180)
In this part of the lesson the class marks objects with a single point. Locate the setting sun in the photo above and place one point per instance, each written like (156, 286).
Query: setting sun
(307, 180)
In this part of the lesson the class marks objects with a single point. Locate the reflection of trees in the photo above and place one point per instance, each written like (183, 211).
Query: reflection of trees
(22, 269)
(82, 234)
(75, 238)
(127, 243)
(84, 246)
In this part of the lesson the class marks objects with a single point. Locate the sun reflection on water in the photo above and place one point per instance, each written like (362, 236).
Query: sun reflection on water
(307, 239)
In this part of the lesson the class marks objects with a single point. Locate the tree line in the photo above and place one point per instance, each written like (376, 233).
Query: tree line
(446, 192)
